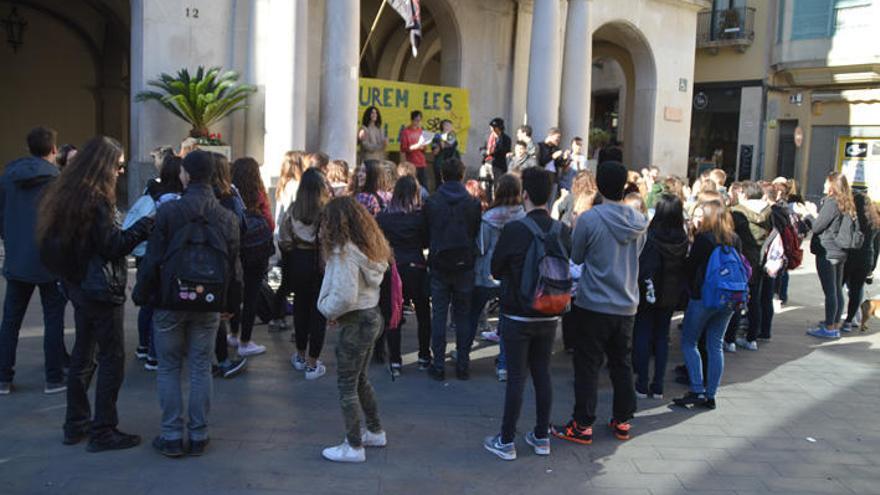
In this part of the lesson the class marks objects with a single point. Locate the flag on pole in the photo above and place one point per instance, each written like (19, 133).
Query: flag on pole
(409, 10)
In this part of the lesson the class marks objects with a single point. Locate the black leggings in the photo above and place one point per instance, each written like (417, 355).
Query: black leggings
(855, 272)
(286, 287)
(415, 289)
(309, 324)
(245, 314)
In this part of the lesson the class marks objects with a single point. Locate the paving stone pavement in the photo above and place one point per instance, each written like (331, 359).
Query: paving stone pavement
(795, 417)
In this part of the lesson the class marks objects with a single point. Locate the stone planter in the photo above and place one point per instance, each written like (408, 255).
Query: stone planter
(223, 150)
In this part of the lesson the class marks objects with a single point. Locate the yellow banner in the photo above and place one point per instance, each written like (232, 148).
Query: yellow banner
(859, 159)
(395, 100)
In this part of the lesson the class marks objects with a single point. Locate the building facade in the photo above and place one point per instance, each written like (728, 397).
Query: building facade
(782, 85)
(80, 64)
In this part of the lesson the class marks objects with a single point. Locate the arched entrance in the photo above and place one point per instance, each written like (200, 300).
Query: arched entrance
(70, 72)
(625, 89)
(389, 56)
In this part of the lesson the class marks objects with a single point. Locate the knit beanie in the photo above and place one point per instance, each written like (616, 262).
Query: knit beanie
(611, 179)
(199, 165)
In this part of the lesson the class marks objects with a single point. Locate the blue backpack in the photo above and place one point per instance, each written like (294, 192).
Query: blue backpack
(727, 279)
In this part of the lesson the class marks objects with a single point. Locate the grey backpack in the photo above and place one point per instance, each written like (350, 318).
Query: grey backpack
(850, 236)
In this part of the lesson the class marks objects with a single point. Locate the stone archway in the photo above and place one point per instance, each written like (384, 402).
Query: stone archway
(388, 55)
(71, 72)
(622, 42)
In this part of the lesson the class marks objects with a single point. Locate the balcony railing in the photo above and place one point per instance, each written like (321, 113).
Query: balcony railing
(728, 27)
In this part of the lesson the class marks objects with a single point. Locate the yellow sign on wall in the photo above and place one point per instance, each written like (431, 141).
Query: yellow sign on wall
(395, 100)
(859, 159)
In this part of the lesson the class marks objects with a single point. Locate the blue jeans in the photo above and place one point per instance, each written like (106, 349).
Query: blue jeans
(183, 336)
(782, 285)
(455, 289)
(18, 296)
(713, 322)
(651, 337)
(483, 295)
(145, 330)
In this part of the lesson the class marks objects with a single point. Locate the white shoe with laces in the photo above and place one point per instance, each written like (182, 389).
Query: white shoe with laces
(298, 362)
(250, 349)
(729, 347)
(232, 341)
(370, 439)
(317, 372)
(345, 453)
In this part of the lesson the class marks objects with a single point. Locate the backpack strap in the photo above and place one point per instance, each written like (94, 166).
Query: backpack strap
(533, 227)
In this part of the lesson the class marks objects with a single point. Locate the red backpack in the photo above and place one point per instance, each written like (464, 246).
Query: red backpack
(791, 245)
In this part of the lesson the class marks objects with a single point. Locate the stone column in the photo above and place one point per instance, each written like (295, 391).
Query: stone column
(542, 102)
(577, 68)
(522, 42)
(339, 81)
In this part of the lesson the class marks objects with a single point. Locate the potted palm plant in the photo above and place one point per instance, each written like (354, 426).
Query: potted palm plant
(201, 99)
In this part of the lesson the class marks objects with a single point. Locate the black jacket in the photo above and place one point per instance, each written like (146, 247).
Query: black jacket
(545, 156)
(100, 272)
(663, 262)
(498, 158)
(451, 195)
(864, 258)
(510, 254)
(173, 216)
(407, 233)
(21, 187)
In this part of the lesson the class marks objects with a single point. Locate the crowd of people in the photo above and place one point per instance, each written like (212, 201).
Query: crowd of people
(606, 254)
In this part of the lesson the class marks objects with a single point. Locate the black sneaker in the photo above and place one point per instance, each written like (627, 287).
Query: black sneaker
(168, 448)
(437, 373)
(709, 404)
(141, 352)
(690, 399)
(151, 364)
(6, 388)
(74, 437)
(197, 447)
(424, 364)
(463, 374)
(232, 367)
(113, 440)
(573, 432)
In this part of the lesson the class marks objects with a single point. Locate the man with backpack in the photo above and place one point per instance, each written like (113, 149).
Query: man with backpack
(453, 218)
(185, 275)
(531, 260)
(21, 187)
(607, 240)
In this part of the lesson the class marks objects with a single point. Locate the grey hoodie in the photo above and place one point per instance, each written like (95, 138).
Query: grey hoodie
(608, 240)
(490, 229)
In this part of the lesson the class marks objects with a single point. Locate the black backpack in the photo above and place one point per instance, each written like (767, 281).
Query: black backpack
(546, 281)
(195, 272)
(455, 246)
(257, 242)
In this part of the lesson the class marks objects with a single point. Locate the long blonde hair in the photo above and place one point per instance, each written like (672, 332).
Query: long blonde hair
(345, 220)
(839, 190)
(717, 221)
(291, 169)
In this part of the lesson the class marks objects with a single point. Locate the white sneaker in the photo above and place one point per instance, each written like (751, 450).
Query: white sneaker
(317, 372)
(501, 373)
(490, 336)
(729, 347)
(344, 453)
(746, 344)
(298, 362)
(250, 349)
(232, 341)
(370, 439)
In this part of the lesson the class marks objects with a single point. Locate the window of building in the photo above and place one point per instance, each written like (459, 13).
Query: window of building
(780, 21)
(814, 19)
